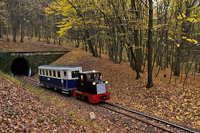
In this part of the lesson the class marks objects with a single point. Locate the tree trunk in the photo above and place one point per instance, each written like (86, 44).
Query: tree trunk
(100, 46)
(78, 39)
(199, 66)
(59, 42)
(14, 34)
(184, 32)
(7, 32)
(32, 29)
(22, 32)
(89, 42)
(0, 30)
(150, 43)
(39, 33)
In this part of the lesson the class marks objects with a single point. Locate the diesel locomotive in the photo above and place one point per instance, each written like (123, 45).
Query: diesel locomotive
(72, 80)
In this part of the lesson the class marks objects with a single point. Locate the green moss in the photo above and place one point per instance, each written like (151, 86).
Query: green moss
(40, 120)
(34, 61)
(56, 121)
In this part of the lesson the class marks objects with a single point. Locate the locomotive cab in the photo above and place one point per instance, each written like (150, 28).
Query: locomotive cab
(91, 82)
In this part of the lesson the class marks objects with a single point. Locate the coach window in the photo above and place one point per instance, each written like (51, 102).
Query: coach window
(47, 73)
(54, 73)
(43, 72)
(40, 72)
(65, 75)
(50, 74)
(75, 74)
(58, 72)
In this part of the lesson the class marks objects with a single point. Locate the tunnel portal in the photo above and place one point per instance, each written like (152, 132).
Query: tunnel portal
(20, 66)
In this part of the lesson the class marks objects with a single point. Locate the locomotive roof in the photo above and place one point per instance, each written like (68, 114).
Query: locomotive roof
(89, 72)
(56, 67)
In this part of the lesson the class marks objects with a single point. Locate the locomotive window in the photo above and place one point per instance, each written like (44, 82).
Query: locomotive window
(89, 76)
(44, 72)
(82, 79)
(75, 74)
(54, 73)
(58, 74)
(40, 72)
(97, 76)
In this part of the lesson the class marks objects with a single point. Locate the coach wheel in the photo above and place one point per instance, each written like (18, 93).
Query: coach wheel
(44, 85)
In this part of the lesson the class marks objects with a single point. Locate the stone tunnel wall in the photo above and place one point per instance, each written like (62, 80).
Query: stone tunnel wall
(8, 62)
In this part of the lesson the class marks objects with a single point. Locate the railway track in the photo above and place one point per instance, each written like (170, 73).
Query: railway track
(28, 80)
(147, 119)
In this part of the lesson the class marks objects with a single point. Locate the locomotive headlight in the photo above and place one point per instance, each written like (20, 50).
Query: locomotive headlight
(94, 83)
(106, 82)
(93, 71)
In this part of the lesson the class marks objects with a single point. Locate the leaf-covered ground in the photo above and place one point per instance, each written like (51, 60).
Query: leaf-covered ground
(38, 110)
(167, 101)
(22, 110)
(29, 46)
(170, 102)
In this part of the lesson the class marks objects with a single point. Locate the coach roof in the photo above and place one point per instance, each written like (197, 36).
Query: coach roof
(55, 67)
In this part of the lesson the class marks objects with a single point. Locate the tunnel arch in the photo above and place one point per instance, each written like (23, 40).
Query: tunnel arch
(20, 66)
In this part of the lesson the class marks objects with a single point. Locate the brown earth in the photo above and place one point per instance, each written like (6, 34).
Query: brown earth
(171, 102)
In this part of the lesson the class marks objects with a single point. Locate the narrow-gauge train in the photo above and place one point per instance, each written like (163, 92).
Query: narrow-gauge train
(71, 79)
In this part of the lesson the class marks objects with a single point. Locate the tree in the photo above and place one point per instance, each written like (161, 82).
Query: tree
(150, 43)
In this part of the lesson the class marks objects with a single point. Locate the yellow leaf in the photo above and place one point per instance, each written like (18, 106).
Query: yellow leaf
(171, 108)
(184, 37)
(185, 100)
(178, 45)
(16, 127)
(198, 123)
(183, 15)
(190, 40)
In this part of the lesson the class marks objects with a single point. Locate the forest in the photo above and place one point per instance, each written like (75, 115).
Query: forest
(147, 33)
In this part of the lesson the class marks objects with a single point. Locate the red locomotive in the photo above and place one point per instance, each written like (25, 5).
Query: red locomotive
(91, 86)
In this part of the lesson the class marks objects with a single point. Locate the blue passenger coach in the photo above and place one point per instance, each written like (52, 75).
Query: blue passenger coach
(59, 77)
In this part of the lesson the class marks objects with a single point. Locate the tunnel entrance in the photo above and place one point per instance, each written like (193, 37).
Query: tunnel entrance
(20, 66)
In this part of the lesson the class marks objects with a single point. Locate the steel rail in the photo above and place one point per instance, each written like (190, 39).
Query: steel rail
(136, 119)
(32, 80)
(154, 118)
(26, 79)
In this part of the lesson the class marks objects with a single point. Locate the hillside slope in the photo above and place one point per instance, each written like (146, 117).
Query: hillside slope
(171, 102)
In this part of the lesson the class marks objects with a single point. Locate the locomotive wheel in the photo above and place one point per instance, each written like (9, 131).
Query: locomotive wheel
(80, 96)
